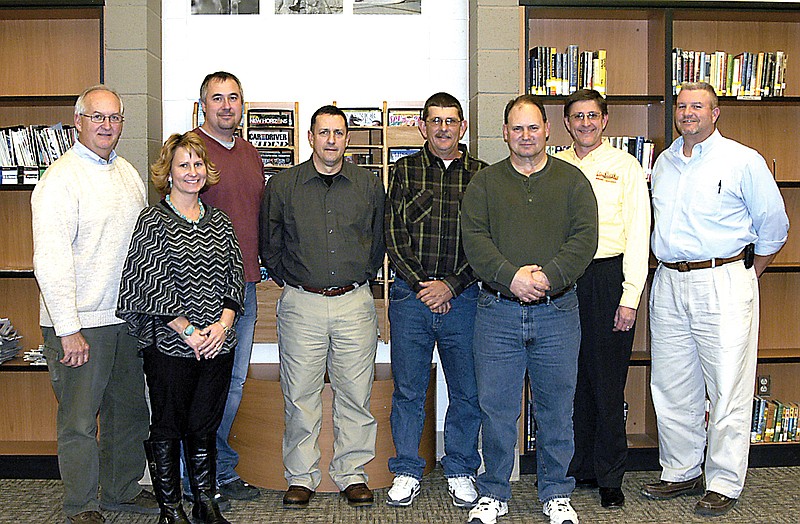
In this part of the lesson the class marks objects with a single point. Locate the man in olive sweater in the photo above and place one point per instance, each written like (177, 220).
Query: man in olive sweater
(530, 229)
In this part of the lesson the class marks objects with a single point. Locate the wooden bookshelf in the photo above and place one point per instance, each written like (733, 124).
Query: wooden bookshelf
(59, 53)
(639, 38)
(290, 129)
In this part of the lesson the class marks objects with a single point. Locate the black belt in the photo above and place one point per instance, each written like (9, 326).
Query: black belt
(332, 291)
(544, 300)
(683, 267)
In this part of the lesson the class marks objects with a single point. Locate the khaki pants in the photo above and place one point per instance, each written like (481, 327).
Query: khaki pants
(340, 333)
(704, 340)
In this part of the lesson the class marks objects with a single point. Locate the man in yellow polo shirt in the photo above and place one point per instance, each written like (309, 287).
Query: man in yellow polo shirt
(608, 295)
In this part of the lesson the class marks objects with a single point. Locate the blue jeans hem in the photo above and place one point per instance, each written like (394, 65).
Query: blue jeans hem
(225, 482)
(559, 496)
(407, 474)
(460, 475)
(495, 497)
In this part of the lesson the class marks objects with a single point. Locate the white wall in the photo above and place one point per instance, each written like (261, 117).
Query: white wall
(357, 60)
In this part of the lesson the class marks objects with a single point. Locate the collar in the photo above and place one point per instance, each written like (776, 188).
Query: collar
(226, 145)
(677, 145)
(604, 144)
(434, 160)
(87, 154)
(311, 173)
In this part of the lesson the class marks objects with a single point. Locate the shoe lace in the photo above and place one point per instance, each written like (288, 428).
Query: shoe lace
(560, 506)
(404, 482)
(460, 483)
(486, 504)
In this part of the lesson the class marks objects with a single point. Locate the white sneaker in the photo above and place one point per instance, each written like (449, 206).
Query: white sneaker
(560, 511)
(487, 510)
(404, 489)
(462, 491)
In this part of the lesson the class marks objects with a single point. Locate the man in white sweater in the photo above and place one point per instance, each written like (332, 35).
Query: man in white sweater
(84, 210)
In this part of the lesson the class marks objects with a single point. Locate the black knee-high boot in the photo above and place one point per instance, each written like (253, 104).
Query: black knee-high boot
(201, 461)
(163, 460)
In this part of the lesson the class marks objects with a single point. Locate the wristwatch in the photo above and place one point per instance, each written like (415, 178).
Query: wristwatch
(188, 331)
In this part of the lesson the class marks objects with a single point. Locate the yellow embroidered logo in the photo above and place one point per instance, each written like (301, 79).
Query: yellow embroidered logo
(606, 177)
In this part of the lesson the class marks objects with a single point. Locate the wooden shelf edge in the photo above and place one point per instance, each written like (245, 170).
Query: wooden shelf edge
(17, 187)
(27, 447)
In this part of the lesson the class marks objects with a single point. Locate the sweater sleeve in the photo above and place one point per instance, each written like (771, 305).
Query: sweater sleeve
(55, 223)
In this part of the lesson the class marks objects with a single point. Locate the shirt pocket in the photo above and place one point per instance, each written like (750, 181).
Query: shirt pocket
(420, 205)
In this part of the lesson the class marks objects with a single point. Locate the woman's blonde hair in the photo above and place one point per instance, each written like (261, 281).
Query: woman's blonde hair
(161, 169)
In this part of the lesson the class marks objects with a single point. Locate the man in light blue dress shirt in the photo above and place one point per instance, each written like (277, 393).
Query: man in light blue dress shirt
(712, 197)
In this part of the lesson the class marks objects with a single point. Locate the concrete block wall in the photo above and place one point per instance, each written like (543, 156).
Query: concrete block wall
(494, 72)
(133, 67)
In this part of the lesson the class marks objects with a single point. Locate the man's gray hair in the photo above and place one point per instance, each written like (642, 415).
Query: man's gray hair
(80, 105)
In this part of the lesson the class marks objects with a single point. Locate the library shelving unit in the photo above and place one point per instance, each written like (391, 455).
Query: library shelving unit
(639, 37)
(272, 128)
(58, 50)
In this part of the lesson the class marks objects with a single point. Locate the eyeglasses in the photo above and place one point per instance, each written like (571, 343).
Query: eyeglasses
(591, 115)
(97, 118)
(449, 122)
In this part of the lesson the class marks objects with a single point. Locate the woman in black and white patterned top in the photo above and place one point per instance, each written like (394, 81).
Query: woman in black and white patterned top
(182, 286)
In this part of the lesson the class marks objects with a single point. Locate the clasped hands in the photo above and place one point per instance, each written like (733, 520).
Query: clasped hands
(530, 283)
(207, 342)
(436, 295)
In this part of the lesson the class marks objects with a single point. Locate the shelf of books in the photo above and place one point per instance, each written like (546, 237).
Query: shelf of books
(272, 128)
(745, 50)
(36, 107)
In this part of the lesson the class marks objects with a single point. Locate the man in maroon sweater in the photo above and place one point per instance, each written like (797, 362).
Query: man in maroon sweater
(238, 194)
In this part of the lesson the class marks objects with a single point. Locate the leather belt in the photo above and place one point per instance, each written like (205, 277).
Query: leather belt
(544, 300)
(683, 267)
(332, 291)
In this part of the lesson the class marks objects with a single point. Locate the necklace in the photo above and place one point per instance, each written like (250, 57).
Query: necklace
(199, 218)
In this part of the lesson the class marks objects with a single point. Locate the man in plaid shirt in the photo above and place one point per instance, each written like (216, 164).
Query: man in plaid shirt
(432, 301)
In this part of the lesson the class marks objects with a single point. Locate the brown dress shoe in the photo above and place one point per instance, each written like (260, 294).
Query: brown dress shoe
(358, 495)
(663, 490)
(714, 504)
(297, 497)
(87, 517)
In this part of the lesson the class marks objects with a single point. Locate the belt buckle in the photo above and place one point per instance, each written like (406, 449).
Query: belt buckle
(683, 267)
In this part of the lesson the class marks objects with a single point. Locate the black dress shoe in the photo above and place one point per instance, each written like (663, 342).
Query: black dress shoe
(663, 490)
(358, 495)
(612, 498)
(714, 504)
(297, 497)
(586, 483)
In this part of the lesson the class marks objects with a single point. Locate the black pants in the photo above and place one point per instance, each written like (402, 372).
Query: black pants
(601, 446)
(187, 396)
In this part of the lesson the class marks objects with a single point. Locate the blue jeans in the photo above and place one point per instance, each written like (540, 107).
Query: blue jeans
(415, 330)
(227, 458)
(544, 339)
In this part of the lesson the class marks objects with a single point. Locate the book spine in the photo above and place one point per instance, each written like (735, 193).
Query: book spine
(599, 71)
